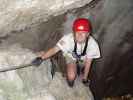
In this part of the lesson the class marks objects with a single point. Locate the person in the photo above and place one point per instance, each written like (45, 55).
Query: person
(76, 46)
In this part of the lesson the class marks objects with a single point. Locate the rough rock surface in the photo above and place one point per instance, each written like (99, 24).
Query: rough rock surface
(34, 83)
(17, 15)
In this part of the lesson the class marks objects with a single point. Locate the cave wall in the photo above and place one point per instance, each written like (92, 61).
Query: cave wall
(111, 74)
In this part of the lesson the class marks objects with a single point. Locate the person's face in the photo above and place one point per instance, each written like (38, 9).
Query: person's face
(81, 36)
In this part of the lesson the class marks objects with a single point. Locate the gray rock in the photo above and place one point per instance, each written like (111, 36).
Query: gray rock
(34, 83)
(19, 15)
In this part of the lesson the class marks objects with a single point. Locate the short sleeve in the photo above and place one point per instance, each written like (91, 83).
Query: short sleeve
(93, 50)
(63, 44)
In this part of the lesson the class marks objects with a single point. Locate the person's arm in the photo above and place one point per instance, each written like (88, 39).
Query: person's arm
(88, 62)
(50, 52)
(44, 55)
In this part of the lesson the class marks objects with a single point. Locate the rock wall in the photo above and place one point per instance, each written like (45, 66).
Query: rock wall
(19, 15)
(34, 83)
(111, 75)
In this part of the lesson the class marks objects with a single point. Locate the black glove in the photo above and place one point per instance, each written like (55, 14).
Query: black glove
(86, 82)
(37, 61)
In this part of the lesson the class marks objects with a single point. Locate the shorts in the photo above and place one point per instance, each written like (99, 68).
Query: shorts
(70, 59)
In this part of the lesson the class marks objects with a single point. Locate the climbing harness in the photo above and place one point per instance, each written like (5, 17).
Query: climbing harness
(75, 54)
(78, 56)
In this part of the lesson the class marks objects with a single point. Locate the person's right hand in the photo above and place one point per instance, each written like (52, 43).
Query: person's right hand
(37, 61)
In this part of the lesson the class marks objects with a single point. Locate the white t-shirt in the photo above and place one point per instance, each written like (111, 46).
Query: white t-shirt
(66, 44)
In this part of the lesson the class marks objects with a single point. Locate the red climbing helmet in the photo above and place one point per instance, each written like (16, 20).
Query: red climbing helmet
(82, 24)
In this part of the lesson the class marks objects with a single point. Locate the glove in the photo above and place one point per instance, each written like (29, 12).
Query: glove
(86, 82)
(37, 61)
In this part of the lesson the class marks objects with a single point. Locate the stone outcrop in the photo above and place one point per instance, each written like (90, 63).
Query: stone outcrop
(19, 15)
(34, 83)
